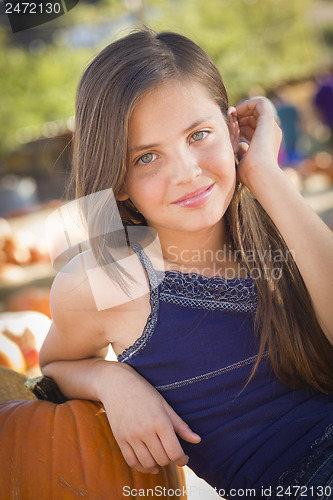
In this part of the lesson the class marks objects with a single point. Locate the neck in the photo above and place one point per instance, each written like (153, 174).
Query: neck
(207, 252)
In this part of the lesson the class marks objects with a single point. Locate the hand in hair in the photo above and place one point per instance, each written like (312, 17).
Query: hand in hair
(258, 126)
(307, 237)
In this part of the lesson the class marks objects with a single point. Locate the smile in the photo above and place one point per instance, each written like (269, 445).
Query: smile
(195, 199)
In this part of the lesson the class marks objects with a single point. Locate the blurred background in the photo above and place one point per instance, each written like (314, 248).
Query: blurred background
(278, 48)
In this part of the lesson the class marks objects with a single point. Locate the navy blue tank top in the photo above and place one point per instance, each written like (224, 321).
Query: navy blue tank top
(198, 349)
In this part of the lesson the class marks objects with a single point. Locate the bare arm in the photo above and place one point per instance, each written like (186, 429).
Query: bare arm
(306, 235)
(73, 354)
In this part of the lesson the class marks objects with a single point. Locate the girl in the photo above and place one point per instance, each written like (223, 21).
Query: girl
(231, 346)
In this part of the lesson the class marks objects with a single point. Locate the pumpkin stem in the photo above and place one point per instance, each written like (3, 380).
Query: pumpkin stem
(45, 388)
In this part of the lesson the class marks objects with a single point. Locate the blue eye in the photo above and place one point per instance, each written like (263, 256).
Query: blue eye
(146, 158)
(198, 136)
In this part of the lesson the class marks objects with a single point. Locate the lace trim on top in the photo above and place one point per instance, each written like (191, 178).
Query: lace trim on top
(190, 290)
(202, 292)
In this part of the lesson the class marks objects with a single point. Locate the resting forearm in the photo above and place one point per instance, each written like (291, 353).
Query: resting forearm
(85, 379)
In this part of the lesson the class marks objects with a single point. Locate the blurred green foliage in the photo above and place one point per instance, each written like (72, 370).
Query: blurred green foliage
(35, 89)
(253, 42)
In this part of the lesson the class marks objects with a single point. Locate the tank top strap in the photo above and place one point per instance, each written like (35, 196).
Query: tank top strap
(153, 276)
(150, 325)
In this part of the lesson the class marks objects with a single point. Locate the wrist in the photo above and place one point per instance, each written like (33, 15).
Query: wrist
(107, 376)
(263, 179)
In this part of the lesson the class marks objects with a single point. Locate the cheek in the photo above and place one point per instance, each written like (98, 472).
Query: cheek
(143, 188)
(221, 160)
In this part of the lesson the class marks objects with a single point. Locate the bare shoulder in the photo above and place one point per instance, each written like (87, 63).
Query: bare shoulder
(76, 331)
(71, 293)
(86, 294)
(90, 310)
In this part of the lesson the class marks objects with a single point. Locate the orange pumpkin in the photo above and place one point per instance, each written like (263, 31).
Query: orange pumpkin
(67, 451)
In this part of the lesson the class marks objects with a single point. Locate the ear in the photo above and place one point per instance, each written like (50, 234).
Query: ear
(233, 128)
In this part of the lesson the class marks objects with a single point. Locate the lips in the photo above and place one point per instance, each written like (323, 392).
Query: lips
(196, 198)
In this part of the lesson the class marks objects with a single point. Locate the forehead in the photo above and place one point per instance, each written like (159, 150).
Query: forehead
(173, 105)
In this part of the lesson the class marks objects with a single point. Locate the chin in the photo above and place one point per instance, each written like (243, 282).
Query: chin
(201, 223)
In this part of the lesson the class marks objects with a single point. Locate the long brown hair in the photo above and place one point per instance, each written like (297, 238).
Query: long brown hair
(285, 322)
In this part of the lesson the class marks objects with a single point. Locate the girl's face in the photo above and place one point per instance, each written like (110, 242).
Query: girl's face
(181, 158)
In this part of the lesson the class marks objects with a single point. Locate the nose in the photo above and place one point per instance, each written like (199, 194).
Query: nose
(184, 168)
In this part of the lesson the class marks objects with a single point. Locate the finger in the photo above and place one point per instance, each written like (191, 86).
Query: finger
(255, 104)
(173, 448)
(247, 132)
(132, 460)
(145, 458)
(248, 121)
(247, 113)
(157, 450)
(260, 108)
(181, 427)
(243, 147)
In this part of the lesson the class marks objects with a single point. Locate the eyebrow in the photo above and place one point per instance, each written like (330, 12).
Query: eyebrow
(152, 146)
